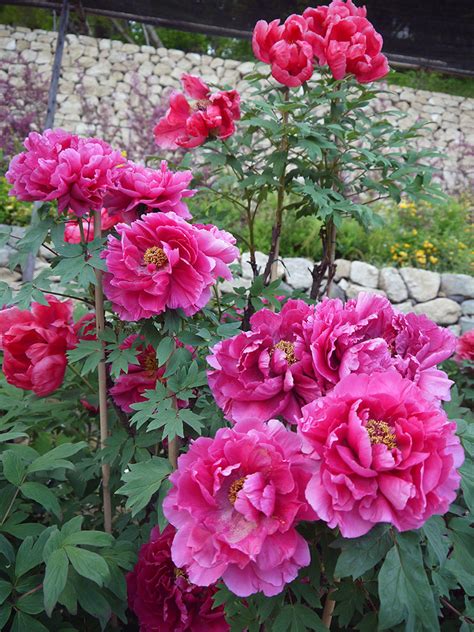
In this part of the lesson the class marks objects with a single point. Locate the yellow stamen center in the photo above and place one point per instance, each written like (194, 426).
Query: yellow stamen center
(235, 488)
(150, 363)
(288, 349)
(155, 255)
(381, 432)
(178, 572)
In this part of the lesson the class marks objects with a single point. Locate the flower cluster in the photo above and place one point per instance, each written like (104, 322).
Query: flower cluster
(162, 262)
(61, 166)
(465, 347)
(163, 598)
(34, 344)
(72, 228)
(210, 115)
(339, 36)
(288, 359)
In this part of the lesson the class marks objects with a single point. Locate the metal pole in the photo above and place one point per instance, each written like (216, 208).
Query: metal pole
(29, 267)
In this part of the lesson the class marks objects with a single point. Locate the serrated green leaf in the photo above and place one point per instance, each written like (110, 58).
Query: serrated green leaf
(55, 578)
(142, 481)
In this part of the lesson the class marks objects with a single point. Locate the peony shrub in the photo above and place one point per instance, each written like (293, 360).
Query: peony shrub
(182, 453)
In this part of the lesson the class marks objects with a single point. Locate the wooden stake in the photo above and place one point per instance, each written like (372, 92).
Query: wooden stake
(102, 374)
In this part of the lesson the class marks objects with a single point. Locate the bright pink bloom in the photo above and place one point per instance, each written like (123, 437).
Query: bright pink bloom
(266, 371)
(137, 189)
(60, 166)
(163, 598)
(465, 347)
(72, 232)
(189, 125)
(162, 262)
(367, 335)
(383, 454)
(235, 502)
(288, 48)
(34, 344)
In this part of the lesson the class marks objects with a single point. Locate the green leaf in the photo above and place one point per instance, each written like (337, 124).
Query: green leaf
(467, 483)
(72, 526)
(404, 591)
(5, 590)
(30, 553)
(55, 458)
(91, 600)
(88, 350)
(55, 578)
(5, 612)
(142, 481)
(23, 622)
(436, 533)
(360, 554)
(89, 538)
(88, 564)
(165, 349)
(13, 468)
(6, 549)
(43, 496)
(32, 603)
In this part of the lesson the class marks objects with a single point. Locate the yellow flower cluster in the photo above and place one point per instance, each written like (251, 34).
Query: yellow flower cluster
(413, 253)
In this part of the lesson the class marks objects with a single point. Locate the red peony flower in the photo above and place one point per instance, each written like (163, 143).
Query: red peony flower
(163, 598)
(34, 344)
(189, 125)
(383, 452)
(162, 262)
(137, 188)
(288, 48)
(465, 347)
(61, 166)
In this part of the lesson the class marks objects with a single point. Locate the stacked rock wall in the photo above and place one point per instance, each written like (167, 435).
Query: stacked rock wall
(106, 82)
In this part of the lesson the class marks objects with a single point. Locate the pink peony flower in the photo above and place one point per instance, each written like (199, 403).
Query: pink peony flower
(189, 125)
(34, 344)
(60, 166)
(162, 597)
(266, 371)
(383, 454)
(367, 335)
(235, 502)
(288, 48)
(72, 232)
(353, 46)
(140, 189)
(162, 262)
(465, 347)
(85, 327)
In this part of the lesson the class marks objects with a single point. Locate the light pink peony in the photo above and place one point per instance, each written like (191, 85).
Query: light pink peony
(383, 454)
(162, 262)
(163, 598)
(288, 48)
(188, 124)
(34, 344)
(465, 347)
(72, 232)
(266, 371)
(235, 502)
(60, 166)
(137, 189)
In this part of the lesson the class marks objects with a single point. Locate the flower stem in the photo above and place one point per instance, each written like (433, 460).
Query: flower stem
(271, 268)
(102, 375)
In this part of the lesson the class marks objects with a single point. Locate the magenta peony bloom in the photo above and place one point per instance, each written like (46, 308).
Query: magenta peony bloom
(34, 344)
(367, 335)
(162, 262)
(288, 48)
(235, 502)
(383, 454)
(189, 125)
(162, 597)
(266, 371)
(60, 166)
(465, 347)
(140, 189)
(72, 232)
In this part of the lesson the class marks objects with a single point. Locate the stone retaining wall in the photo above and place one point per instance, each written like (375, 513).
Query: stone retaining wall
(108, 80)
(446, 298)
